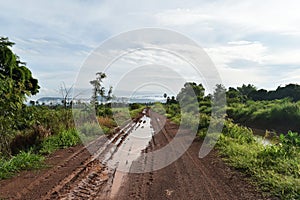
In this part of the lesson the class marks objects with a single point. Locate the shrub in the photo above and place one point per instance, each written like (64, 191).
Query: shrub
(66, 138)
(21, 161)
(159, 108)
(275, 168)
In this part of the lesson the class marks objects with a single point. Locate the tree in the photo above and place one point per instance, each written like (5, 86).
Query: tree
(98, 89)
(246, 91)
(16, 83)
(219, 95)
(109, 94)
(189, 92)
(12, 68)
(65, 92)
(233, 95)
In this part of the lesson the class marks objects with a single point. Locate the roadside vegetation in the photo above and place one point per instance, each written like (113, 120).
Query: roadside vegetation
(28, 133)
(273, 168)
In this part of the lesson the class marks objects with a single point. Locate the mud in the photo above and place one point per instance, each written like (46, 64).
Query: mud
(76, 174)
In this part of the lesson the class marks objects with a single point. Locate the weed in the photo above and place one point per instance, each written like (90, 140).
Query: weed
(22, 161)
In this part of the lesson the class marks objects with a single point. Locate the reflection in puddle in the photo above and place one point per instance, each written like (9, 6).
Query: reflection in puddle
(130, 150)
(121, 158)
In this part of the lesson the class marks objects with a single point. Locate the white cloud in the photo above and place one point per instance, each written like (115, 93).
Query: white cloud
(237, 50)
(181, 17)
(243, 16)
(54, 37)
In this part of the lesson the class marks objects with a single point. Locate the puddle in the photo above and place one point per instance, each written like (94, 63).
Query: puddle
(118, 179)
(127, 149)
(262, 140)
(131, 148)
(260, 137)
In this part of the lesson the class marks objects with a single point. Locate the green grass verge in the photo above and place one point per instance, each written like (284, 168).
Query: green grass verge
(35, 159)
(66, 138)
(273, 168)
(22, 161)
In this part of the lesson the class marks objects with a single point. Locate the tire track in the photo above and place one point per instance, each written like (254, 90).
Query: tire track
(94, 178)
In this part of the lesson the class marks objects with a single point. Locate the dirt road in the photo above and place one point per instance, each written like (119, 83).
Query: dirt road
(78, 175)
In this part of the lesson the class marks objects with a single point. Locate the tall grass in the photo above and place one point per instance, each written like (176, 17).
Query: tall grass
(273, 168)
(282, 114)
(66, 138)
(22, 161)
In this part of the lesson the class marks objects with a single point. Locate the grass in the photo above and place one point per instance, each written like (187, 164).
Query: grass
(277, 114)
(273, 168)
(107, 124)
(122, 114)
(22, 161)
(159, 108)
(34, 159)
(66, 138)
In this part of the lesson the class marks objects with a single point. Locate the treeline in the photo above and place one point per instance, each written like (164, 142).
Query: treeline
(276, 110)
(241, 94)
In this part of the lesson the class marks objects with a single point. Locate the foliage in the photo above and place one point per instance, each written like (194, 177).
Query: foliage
(11, 68)
(104, 110)
(134, 106)
(22, 161)
(99, 89)
(277, 114)
(66, 138)
(274, 168)
(16, 82)
(250, 92)
(191, 92)
(159, 108)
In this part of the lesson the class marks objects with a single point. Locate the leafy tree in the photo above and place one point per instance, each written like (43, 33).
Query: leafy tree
(189, 92)
(233, 95)
(16, 83)
(12, 68)
(173, 100)
(246, 91)
(99, 89)
(219, 94)
(260, 95)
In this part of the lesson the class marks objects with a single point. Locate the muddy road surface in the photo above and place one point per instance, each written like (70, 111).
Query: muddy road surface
(110, 172)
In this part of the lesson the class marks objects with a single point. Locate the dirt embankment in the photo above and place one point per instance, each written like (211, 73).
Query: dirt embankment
(78, 175)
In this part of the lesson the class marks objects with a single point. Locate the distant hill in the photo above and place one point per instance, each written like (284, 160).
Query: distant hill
(46, 99)
(136, 99)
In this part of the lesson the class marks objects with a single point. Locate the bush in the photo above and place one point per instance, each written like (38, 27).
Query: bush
(189, 121)
(243, 135)
(159, 108)
(134, 106)
(66, 138)
(22, 161)
(275, 168)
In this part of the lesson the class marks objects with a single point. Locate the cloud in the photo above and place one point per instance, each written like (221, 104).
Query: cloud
(181, 17)
(247, 40)
(237, 50)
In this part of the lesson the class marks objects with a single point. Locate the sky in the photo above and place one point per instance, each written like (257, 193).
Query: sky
(249, 41)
